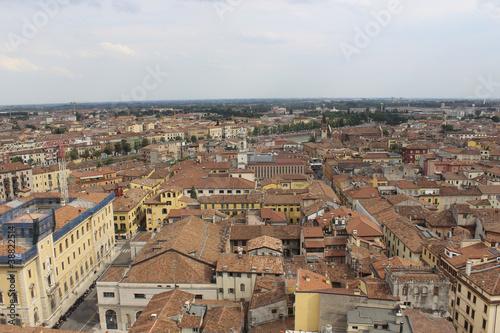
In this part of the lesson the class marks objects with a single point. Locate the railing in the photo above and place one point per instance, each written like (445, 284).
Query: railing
(64, 230)
(19, 258)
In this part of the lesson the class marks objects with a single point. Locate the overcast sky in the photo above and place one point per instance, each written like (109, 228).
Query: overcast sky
(55, 51)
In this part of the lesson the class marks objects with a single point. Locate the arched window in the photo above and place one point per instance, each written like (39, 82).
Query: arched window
(76, 276)
(137, 315)
(128, 319)
(111, 323)
(77, 234)
(60, 248)
(66, 241)
(242, 287)
(71, 282)
(405, 290)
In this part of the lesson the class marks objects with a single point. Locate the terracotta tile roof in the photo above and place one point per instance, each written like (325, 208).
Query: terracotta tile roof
(283, 232)
(114, 274)
(272, 216)
(170, 267)
(14, 167)
(378, 289)
(222, 320)
(486, 277)
(378, 267)
(427, 323)
(265, 242)
(27, 329)
(164, 305)
(364, 227)
(307, 280)
(190, 321)
(268, 290)
(190, 236)
(66, 214)
(314, 244)
(312, 232)
(249, 264)
(4, 249)
(129, 200)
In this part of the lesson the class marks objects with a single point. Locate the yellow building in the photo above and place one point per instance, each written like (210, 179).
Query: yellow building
(72, 243)
(47, 178)
(129, 213)
(158, 207)
(148, 184)
(477, 300)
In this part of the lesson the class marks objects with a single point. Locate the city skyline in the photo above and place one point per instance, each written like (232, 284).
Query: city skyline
(56, 51)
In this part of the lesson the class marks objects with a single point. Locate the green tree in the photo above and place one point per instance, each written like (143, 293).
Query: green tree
(98, 164)
(73, 154)
(126, 147)
(495, 119)
(16, 159)
(33, 127)
(145, 142)
(154, 141)
(86, 154)
(108, 151)
(386, 132)
(137, 145)
(31, 161)
(97, 154)
(194, 138)
(178, 138)
(118, 148)
(162, 139)
(108, 161)
(193, 193)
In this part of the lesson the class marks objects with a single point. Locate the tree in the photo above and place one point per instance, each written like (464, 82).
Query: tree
(31, 161)
(126, 147)
(193, 193)
(217, 123)
(386, 132)
(33, 127)
(154, 141)
(108, 151)
(495, 119)
(137, 145)
(73, 154)
(194, 138)
(86, 154)
(108, 161)
(98, 164)
(97, 154)
(162, 139)
(145, 142)
(178, 138)
(17, 159)
(118, 148)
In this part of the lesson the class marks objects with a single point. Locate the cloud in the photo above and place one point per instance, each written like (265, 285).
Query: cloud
(17, 64)
(492, 7)
(62, 72)
(263, 37)
(118, 48)
(122, 6)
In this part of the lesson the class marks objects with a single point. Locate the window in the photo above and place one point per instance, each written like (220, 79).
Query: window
(473, 314)
(466, 324)
(467, 309)
(108, 294)
(456, 315)
(436, 291)
(231, 290)
(221, 290)
(29, 273)
(242, 287)
(484, 324)
(474, 299)
(1, 297)
(485, 308)
(141, 296)
(274, 311)
(405, 290)
(459, 287)
(468, 295)
(111, 323)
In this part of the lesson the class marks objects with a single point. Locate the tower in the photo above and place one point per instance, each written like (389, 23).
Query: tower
(242, 150)
(324, 127)
(63, 183)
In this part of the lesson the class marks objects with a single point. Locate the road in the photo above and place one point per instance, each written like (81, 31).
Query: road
(86, 317)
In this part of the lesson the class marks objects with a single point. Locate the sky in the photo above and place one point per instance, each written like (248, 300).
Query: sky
(59, 51)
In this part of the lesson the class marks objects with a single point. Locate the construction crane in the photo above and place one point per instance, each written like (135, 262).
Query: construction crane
(63, 182)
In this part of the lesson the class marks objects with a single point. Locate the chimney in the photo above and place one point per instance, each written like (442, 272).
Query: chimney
(307, 278)
(468, 267)
(240, 252)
